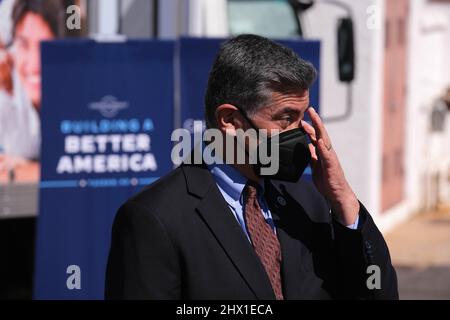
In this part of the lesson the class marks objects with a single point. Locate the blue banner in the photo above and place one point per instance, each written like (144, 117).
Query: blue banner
(107, 118)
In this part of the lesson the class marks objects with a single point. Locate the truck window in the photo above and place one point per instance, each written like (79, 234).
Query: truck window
(269, 18)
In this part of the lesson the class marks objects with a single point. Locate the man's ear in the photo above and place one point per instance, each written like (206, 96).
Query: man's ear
(228, 118)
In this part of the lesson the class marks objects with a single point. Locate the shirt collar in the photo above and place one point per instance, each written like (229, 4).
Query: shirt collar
(231, 181)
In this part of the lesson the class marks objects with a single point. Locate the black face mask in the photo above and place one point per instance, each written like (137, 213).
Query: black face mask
(294, 154)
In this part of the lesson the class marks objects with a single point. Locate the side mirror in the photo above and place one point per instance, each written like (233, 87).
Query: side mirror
(346, 50)
(301, 5)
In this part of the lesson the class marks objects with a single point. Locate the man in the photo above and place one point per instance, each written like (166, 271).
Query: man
(224, 231)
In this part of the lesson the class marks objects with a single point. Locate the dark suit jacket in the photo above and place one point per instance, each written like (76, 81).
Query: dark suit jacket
(178, 239)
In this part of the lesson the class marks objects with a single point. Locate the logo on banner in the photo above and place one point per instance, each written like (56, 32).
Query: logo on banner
(109, 106)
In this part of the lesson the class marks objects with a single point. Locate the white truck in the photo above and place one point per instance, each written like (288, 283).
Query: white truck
(363, 78)
(379, 121)
(383, 75)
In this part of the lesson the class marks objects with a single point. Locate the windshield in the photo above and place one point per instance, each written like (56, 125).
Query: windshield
(269, 18)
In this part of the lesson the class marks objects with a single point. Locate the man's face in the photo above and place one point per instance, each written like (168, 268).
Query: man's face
(285, 112)
(30, 31)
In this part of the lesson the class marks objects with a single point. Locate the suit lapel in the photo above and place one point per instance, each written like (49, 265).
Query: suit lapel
(216, 214)
(294, 253)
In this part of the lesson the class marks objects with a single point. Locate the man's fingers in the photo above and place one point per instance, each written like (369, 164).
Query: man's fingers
(321, 132)
(310, 131)
(312, 149)
(324, 153)
(314, 159)
(319, 137)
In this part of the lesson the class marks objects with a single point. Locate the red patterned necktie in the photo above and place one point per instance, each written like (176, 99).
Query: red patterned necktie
(265, 241)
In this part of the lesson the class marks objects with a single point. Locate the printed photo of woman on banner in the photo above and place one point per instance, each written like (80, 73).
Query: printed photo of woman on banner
(24, 25)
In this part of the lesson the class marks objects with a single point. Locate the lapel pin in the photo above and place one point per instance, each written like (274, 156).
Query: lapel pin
(281, 201)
